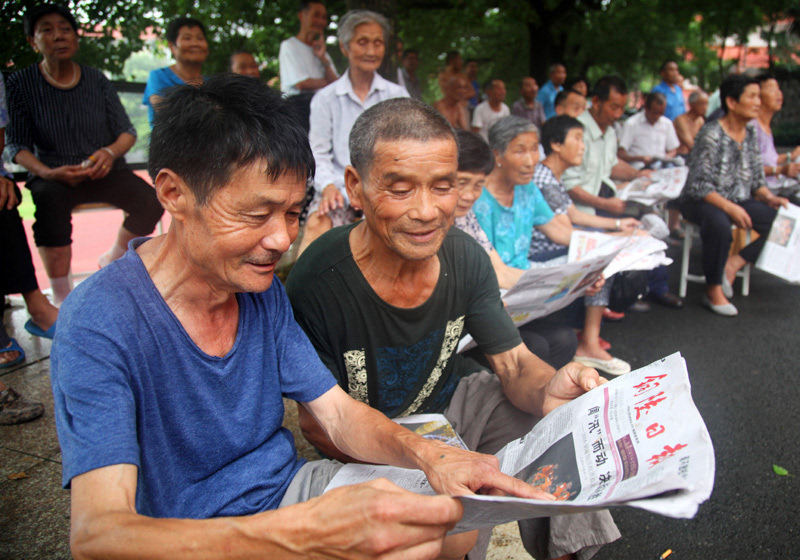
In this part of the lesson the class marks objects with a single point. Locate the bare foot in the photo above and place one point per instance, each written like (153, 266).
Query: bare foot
(42, 312)
(716, 296)
(590, 350)
(8, 357)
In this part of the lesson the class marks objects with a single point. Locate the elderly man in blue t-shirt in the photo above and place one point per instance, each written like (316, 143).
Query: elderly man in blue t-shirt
(170, 365)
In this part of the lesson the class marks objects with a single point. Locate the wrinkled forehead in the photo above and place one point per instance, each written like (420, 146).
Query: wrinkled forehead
(413, 158)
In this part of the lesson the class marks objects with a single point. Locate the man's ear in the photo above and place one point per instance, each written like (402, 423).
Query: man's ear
(174, 194)
(354, 186)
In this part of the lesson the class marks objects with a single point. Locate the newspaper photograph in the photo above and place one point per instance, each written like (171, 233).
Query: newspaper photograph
(781, 253)
(662, 185)
(635, 441)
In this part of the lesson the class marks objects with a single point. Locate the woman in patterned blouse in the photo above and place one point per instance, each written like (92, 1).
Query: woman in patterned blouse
(726, 185)
(68, 128)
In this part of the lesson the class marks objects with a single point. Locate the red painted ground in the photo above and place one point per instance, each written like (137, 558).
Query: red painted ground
(92, 234)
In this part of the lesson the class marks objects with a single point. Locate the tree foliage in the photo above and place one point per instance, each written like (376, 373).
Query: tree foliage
(510, 38)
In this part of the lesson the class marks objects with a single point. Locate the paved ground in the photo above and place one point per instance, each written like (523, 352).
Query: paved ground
(744, 373)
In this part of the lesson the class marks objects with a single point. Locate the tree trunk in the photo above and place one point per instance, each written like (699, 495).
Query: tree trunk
(387, 8)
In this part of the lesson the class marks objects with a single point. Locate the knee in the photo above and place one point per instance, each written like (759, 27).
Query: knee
(458, 546)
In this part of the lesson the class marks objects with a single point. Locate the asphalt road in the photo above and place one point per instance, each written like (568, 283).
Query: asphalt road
(745, 375)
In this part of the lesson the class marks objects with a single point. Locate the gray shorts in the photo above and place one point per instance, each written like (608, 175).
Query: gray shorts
(310, 481)
(486, 420)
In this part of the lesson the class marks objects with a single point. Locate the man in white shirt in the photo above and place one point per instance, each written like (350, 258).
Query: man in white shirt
(648, 136)
(407, 73)
(492, 110)
(334, 109)
(304, 61)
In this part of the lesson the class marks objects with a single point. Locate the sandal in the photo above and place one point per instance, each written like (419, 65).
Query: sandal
(36, 330)
(14, 347)
(14, 409)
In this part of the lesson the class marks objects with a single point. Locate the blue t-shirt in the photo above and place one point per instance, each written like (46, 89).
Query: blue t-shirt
(130, 386)
(159, 79)
(676, 105)
(547, 97)
(510, 229)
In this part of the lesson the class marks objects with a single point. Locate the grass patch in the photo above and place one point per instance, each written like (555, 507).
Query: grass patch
(26, 209)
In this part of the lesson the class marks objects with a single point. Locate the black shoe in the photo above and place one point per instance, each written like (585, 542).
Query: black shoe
(667, 299)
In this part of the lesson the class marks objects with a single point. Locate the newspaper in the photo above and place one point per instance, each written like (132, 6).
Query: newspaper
(781, 253)
(544, 290)
(637, 252)
(662, 185)
(637, 441)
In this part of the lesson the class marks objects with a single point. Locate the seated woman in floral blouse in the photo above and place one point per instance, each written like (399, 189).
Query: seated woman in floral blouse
(726, 185)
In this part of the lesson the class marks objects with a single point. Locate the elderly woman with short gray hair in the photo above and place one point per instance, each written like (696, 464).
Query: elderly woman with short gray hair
(362, 38)
(509, 209)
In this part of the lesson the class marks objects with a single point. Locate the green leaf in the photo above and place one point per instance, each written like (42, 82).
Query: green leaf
(780, 470)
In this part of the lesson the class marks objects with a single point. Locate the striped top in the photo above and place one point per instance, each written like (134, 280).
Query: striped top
(63, 126)
(718, 163)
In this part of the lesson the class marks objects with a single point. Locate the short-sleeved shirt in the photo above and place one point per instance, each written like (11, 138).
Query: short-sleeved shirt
(559, 202)
(510, 229)
(159, 80)
(547, 97)
(599, 158)
(468, 223)
(399, 361)
(534, 114)
(131, 386)
(484, 117)
(334, 109)
(676, 104)
(299, 63)
(720, 164)
(769, 155)
(640, 138)
(63, 126)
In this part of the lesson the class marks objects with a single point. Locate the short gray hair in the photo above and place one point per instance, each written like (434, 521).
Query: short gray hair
(695, 96)
(401, 118)
(354, 18)
(506, 129)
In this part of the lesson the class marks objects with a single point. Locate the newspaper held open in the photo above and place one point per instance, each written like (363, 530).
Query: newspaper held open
(638, 441)
(781, 253)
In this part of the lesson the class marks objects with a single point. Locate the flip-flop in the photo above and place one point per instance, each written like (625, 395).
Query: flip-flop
(15, 347)
(614, 366)
(36, 330)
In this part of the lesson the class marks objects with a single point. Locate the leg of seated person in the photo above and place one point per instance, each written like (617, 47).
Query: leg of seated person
(316, 225)
(559, 339)
(762, 217)
(486, 420)
(312, 479)
(715, 232)
(130, 193)
(52, 231)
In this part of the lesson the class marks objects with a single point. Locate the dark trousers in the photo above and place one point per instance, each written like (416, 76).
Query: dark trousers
(121, 188)
(17, 275)
(551, 340)
(715, 232)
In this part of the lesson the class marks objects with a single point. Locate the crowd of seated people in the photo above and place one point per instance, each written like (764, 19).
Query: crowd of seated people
(379, 291)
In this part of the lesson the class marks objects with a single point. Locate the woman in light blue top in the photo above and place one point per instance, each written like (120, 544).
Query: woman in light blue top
(186, 38)
(511, 205)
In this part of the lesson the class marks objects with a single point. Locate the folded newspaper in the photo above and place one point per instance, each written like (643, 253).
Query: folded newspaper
(636, 441)
(781, 253)
(662, 185)
(631, 252)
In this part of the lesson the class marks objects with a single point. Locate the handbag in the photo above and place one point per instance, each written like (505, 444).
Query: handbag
(628, 288)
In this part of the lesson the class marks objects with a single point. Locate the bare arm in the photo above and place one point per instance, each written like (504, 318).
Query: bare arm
(368, 519)
(507, 276)
(535, 387)
(580, 218)
(625, 156)
(684, 132)
(624, 172)
(610, 205)
(558, 230)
